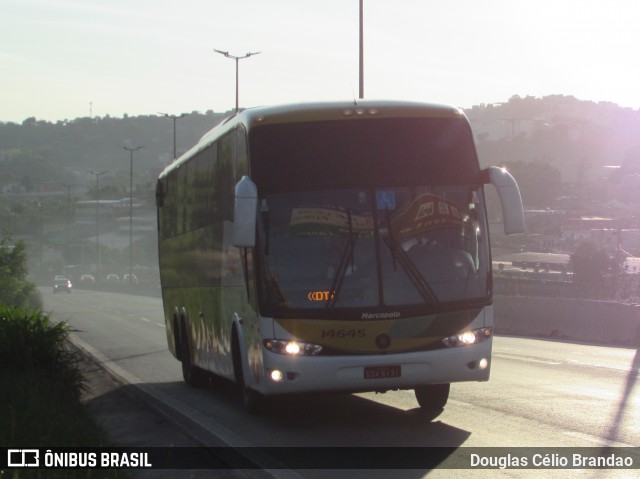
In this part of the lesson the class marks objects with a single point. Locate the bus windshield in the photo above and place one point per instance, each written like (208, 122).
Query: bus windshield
(418, 249)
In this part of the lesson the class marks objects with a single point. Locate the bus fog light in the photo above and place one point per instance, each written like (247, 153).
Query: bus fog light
(483, 363)
(276, 376)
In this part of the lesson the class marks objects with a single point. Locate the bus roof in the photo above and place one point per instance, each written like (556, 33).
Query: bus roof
(321, 111)
(327, 111)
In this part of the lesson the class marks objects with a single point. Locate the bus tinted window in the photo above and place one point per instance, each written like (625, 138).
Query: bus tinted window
(402, 151)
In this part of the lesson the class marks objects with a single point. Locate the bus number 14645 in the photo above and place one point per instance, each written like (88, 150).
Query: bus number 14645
(343, 333)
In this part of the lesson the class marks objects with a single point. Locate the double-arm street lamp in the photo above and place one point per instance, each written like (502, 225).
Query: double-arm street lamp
(174, 118)
(131, 149)
(237, 59)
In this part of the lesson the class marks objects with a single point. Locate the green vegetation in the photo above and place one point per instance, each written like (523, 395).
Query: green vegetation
(600, 275)
(15, 290)
(590, 265)
(37, 155)
(40, 379)
(40, 388)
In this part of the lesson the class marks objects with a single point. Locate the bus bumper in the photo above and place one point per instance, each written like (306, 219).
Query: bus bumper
(301, 374)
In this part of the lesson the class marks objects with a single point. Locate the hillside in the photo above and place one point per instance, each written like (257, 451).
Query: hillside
(40, 156)
(579, 138)
(545, 142)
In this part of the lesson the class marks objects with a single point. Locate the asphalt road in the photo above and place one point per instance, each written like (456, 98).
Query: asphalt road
(541, 394)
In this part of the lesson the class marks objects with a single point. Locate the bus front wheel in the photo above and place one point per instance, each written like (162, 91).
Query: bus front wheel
(252, 400)
(433, 397)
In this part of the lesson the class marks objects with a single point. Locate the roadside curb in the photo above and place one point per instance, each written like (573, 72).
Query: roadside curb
(201, 428)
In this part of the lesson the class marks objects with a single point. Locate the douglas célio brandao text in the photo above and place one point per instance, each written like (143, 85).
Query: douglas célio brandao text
(551, 460)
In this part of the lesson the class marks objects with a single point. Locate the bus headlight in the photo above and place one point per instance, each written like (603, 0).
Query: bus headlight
(293, 348)
(467, 338)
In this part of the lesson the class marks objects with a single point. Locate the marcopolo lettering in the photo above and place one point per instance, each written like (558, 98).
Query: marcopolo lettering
(393, 315)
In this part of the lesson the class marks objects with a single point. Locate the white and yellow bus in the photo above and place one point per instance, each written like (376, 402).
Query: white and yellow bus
(332, 247)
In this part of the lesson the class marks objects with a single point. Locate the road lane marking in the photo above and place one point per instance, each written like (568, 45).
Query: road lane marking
(527, 359)
(572, 362)
(624, 369)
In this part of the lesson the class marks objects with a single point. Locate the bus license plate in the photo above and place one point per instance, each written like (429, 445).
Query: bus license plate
(382, 372)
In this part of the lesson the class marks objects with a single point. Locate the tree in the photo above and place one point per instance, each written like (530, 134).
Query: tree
(593, 270)
(15, 290)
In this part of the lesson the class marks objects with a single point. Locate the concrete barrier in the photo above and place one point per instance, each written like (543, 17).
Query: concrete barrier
(597, 322)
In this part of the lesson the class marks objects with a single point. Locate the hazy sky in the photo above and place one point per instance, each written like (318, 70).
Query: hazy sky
(61, 59)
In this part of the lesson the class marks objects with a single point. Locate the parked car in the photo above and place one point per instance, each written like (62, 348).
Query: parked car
(62, 284)
(132, 280)
(87, 281)
(113, 278)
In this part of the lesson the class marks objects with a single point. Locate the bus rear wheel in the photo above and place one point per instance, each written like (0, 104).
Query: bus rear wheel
(192, 375)
(433, 397)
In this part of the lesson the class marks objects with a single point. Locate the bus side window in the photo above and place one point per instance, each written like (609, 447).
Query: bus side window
(242, 162)
(169, 212)
(203, 171)
(226, 176)
(182, 199)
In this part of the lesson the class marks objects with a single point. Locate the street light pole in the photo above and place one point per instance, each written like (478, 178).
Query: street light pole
(175, 118)
(131, 150)
(361, 96)
(237, 59)
(98, 175)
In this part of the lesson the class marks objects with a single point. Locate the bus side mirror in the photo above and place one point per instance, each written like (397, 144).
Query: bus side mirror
(245, 213)
(510, 198)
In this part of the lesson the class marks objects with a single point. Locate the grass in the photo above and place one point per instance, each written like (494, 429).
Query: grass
(40, 389)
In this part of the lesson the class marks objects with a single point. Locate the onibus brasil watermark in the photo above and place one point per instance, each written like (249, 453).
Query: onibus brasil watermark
(76, 459)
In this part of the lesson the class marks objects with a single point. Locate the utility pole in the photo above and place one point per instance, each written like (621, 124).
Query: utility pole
(361, 91)
(237, 59)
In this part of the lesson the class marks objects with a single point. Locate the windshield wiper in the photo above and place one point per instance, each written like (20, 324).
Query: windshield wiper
(398, 255)
(347, 255)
